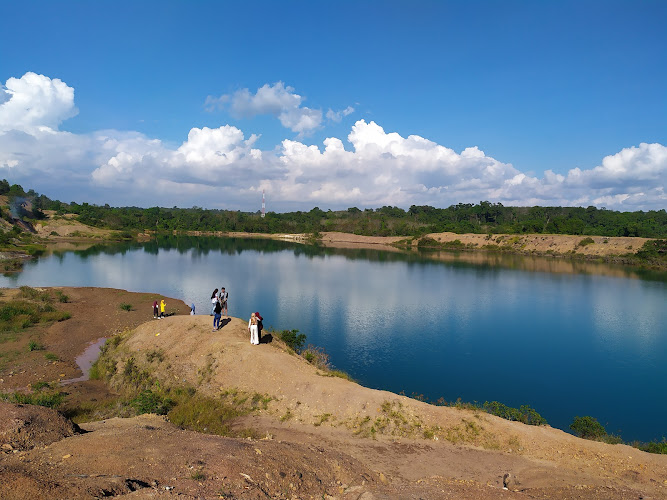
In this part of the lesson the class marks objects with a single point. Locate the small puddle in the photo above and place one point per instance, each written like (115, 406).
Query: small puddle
(85, 360)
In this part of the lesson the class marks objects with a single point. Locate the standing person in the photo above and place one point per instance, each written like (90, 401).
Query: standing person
(216, 316)
(252, 328)
(223, 300)
(162, 306)
(155, 311)
(214, 299)
(260, 326)
(192, 309)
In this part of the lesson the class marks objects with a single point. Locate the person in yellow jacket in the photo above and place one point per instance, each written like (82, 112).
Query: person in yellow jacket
(162, 305)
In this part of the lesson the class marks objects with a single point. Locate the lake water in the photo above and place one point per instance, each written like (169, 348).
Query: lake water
(566, 338)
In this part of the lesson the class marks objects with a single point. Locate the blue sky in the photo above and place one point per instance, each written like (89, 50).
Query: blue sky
(336, 104)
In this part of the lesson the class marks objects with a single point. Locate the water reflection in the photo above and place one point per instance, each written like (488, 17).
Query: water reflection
(566, 337)
(483, 262)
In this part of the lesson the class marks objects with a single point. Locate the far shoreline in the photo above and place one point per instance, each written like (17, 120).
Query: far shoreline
(68, 233)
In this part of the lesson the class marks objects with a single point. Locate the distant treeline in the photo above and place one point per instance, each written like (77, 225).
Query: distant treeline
(485, 217)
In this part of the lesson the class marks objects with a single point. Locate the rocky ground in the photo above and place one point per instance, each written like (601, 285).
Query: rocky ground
(315, 437)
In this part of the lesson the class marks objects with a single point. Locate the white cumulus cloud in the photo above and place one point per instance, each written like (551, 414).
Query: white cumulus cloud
(277, 99)
(337, 116)
(221, 167)
(35, 101)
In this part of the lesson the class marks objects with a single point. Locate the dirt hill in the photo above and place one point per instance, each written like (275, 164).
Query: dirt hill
(313, 436)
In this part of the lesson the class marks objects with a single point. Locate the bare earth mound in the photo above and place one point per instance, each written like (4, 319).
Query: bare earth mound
(319, 436)
(22, 427)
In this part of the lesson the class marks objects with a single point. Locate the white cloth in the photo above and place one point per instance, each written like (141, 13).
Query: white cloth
(254, 334)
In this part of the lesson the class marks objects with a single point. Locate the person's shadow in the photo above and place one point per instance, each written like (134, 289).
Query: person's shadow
(265, 339)
(224, 321)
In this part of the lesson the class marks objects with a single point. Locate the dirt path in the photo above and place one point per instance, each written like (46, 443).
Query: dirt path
(317, 431)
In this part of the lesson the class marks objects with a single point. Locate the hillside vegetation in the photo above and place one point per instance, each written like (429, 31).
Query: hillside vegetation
(24, 211)
(484, 217)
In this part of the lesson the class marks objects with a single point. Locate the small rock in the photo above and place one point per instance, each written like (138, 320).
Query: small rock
(67, 456)
(509, 482)
(7, 446)
(383, 479)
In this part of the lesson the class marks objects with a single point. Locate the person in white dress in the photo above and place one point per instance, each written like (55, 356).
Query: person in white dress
(252, 328)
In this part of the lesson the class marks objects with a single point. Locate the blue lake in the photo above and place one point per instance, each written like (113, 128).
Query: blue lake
(566, 338)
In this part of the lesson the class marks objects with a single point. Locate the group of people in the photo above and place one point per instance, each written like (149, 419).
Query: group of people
(219, 301)
(219, 306)
(158, 311)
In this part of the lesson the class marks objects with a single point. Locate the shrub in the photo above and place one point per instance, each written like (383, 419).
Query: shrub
(316, 356)
(524, 414)
(293, 339)
(453, 244)
(149, 402)
(654, 447)
(125, 306)
(34, 250)
(61, 296)
(586, 241)
(588, 428)
(425, 241)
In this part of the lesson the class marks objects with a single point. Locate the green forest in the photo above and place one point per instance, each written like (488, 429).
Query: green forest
(484, 218)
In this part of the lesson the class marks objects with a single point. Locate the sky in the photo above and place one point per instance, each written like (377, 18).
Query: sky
(336, 104)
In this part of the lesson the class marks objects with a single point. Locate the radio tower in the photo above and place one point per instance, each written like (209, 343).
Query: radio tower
(263, 205)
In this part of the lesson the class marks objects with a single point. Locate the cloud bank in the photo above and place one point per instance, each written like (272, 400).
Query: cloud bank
(221, 168)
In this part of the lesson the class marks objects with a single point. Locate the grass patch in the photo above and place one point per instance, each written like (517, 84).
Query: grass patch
(29, 293)
(8, 357)
(62, 297)
(51, 356)
(34, 346)
(198, 475)
(47, 399)
(203, 414)
(150, 402)
(337, 373)
(17, 315)
(124, 306)
(322, 419)
(155, 355)
(286, 416)
(92, 411)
